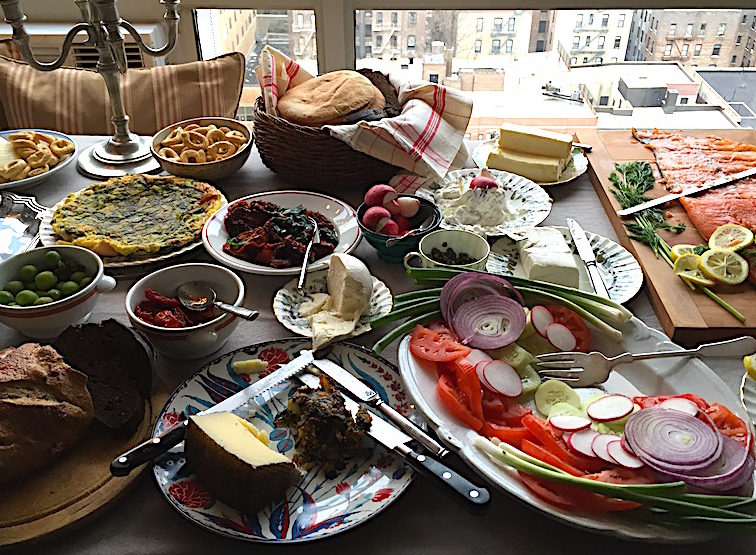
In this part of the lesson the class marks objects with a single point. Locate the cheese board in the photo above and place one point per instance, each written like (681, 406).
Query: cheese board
(688, 317)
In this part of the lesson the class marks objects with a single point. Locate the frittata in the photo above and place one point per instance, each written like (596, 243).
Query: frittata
(136, 215)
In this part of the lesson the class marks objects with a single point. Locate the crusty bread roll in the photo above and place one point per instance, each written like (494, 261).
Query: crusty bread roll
(44, 408)
(329, 99)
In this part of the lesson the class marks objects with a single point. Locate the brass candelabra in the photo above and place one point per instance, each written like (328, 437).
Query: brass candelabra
(124, 153)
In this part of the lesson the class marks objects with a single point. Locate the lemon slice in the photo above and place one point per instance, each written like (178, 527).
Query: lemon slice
(681, 249)
(731, 237)
(724, 266)
(749, 361)
(686, 266)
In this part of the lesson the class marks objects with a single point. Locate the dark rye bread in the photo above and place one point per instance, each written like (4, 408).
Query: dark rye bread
(118, 363)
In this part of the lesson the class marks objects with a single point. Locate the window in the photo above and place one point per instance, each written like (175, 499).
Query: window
(410, 41)
(508, 46)
(721, 29)
(579, 21)
(300, 20)
(614, 59)
(433, 78)
(716, 49)
(684, 50)
(599, 60)
(394, 18)
(739, 39)
(588, 40)
(511, 24)
(495, 46)
(543, 26)
(601, 40)
(617, 42)
(585, 59)
(697, 50)
(689, 30)
(573, 61)
(301, 43)
(379, 41)
(480, 136)
(605, 20)
(749, 44)
(575, 42)
(603, 101)
(668, 49)
(734, 60)
(479, 25)
(684, 100)
(743, 20)
(621, 21)
(702, 30)
(378, 19)
(412, 19)
(478, 46)
(394, 41)
(590, 20)
(540, 46)
(672, 29)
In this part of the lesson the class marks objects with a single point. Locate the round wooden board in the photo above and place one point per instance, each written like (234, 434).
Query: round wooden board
(74, 486)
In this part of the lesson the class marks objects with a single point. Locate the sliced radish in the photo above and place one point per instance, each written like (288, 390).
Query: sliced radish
(581, 442)
(569, 422)
(479, 369)
(680, 403)
(561, 337)
(599, 445)
(502, 378)
(620, 454)
(611, 407)
(626, 446)
(541, 318)
(476, 355)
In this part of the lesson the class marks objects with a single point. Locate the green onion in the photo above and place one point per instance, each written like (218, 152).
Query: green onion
(417, 294)
(415, 309)
(404, 328)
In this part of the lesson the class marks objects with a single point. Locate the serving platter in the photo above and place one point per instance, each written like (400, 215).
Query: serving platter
(316, 507)
(658, 377)
(620, 270)
(30, 182)
(287, 301)
(343, 216)
(576, 166)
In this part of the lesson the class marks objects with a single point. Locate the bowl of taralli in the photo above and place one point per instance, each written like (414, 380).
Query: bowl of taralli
(203, 148)
(30, 156)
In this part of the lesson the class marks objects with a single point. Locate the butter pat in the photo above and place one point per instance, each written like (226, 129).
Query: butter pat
(545, 256)
(537, 168)
(251, 366)
(529, 140)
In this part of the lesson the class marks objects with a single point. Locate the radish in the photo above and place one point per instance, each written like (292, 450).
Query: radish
(541, 318)
(620, 454)
(561, 337)
(403, 223)
(611, 407)
(599, 447)
(569, 422)
(680, 403)
(476, 355)
(393, 207)
(479, 369)
(380, 194)
(409, 206)
(502, 378)
(581, 442)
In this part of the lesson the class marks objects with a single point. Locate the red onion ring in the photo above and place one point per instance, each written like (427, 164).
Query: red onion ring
(489, 322)
(471, 285)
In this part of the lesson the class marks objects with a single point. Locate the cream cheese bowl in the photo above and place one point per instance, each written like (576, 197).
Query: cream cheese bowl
(47, 321)
(193, 341)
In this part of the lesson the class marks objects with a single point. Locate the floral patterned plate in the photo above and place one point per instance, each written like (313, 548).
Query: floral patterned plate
(314, 508)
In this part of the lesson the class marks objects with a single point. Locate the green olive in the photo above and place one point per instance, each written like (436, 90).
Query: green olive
(14, 286)
(45, 280)
(51, 260)
(85, 281)
(78, 276)
(30, 285)
(43, 300)
(27, 273)
(6, 297)
(68, 288)
(54, 294)
(26, 297)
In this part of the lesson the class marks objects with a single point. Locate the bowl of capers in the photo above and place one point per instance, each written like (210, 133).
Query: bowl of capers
(45, 290)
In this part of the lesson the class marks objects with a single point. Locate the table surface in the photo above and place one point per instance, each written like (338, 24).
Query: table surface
(423, 520)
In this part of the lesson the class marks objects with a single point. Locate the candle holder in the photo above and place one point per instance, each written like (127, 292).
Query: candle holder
(124, 153)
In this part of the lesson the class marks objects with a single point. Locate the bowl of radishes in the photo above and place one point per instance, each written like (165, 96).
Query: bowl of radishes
(394, 223)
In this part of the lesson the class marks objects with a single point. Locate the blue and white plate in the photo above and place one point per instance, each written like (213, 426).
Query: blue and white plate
(29, 182)
(316, 507)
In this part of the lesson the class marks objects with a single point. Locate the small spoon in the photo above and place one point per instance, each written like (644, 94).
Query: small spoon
(390, 242)
(198, 295)
(303, 272)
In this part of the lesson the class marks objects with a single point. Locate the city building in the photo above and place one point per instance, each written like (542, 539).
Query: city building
(492, 38)
(713, 38)
(302, 35)
(738, 88)
(542, 31)
(390, 34)
(592, 36)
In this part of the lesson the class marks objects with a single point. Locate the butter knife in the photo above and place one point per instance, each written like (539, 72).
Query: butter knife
(475, 498)
(161, 443)
(367, 395)
(586, 254)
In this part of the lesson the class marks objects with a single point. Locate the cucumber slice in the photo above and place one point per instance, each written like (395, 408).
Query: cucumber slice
(590, 399)
(565, 409)
(536, 344)
(553, 391)
(616, 427)
(517, 357)
(529, 329)
(531, 381)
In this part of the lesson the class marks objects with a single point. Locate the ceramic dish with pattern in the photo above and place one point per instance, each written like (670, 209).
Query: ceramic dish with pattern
(287, 301)
(28, 182)
(621, 272)
(517, 204)
(343, 216)
(654, 377)
(575, 167)
(316, 507)
(20, 218)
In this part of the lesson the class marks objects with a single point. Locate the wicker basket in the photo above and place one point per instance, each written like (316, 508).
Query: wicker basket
(308, 157)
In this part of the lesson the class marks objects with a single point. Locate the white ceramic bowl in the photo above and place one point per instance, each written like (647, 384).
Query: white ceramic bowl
(195, 341)
(459, 240)
(49, 320)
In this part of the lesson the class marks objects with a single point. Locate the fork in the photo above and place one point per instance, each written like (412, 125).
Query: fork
(315, 238)
(586, 369)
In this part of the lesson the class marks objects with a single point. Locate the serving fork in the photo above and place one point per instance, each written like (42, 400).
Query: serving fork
(586, 369)
(315, 238)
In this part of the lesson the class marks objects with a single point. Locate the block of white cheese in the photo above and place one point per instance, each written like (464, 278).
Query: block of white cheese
(530, 140)
(532, 166)
(545, 256)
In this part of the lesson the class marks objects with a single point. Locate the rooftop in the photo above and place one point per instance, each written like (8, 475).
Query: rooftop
(738, 87)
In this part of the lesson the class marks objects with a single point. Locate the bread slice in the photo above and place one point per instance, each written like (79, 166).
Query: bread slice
(118, 362)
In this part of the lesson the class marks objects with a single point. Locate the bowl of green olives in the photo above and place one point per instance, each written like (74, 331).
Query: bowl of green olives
(45, 290)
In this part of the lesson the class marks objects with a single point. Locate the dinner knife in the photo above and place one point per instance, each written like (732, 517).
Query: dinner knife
(367, 395)
(161, 443)
(586, 254)
(687, 191)
(475, 498)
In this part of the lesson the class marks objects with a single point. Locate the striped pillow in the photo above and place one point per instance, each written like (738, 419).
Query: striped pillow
(75, 101)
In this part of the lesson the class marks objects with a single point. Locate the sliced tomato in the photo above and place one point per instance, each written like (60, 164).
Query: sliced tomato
(728, 423)
(571, 497)
(542, 455)
(429, 345)
(468, 385)
(456, 403)
(503, 411)
(618, 475)
(574, 323)
(545, 490)
(556, 446)
(440, 327)
(511, 435)
(645, 401)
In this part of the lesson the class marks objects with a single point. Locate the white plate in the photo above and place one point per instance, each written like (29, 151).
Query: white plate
(656, 377)
(29, 182)
(287, 301)
(534, 199)
(621, 272)
(343, 216)
(576, 167)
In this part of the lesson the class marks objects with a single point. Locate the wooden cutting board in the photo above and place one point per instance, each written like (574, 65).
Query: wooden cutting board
(73, 486)
(688, 317)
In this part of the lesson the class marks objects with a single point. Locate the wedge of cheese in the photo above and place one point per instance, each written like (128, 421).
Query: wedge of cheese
(545, 256)
(537, 168)
(529, 140)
